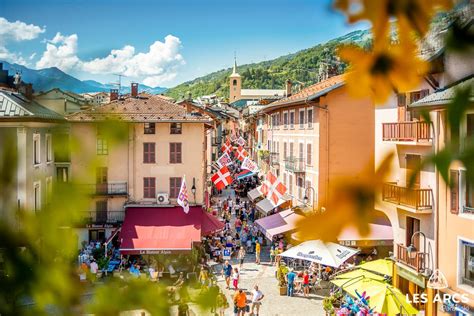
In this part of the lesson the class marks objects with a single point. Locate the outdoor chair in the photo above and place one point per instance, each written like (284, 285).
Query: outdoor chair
(314, 285)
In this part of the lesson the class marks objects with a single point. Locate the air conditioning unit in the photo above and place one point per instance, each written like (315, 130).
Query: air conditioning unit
(162, 198)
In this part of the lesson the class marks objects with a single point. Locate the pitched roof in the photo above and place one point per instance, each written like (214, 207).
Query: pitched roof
(446, 95)
(313, 91)
(145, 108)
(14, 106)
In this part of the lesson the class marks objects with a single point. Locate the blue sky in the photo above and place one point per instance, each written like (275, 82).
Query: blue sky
(204, 35)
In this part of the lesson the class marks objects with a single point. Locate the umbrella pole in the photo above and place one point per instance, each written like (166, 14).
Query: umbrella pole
(319, 271)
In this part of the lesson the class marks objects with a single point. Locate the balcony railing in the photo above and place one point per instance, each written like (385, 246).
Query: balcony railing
(417, 261)
(418, 199)
(215, 141)
(103, 217)
(275, 158)
(468, 209)
(118, 188)
(407, 132)
(295, 165)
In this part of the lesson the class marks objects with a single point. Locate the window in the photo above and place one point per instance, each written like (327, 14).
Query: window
(49, 148)
(234, 82)
(101, 180)
(467, 191)
(175, 186)
(285, 120)
(469, 130)
(149, 128)
(36, 149)
(417, 95)
(175, 153)
(148, 152)
(301, 151)
(269, 145)
(467, 263)
(454, 175)
(292, 119)
(277, 119)
(291, 153)
(290, 184)
(285, 150)
(102, 146)
(310, 117)
(49, 189)
(62, 174)
(309, 154)
(412, 226)
(301, 118)
(149, 188)
(309, 192)
(37, 196)
(176, 128)
(413, 163)
(101, 211)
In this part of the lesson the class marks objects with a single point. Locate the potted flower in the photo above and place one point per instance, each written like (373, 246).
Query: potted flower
(281, 273)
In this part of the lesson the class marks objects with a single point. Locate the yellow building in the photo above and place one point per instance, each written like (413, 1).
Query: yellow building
(62, 102)
(161, 142)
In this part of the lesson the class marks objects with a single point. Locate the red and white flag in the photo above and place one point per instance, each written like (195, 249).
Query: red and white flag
(241, 153)
(272, 188)
(249, 164)
(222, 178)
(241, 141)
(227, 147)
(224, 160)
(183, 196)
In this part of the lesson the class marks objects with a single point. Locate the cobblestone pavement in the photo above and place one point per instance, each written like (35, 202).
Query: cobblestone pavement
(264, 276)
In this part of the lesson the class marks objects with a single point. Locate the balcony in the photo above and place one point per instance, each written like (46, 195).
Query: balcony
(215, 141)
(417, 261)
(103, 217)
(411, 199)
(295, 165)
(118, 188)
(275, 158)
(409, 132)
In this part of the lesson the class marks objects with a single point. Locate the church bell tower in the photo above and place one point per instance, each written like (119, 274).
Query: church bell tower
(235, 84)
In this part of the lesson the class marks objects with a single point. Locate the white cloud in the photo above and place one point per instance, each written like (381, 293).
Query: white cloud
(18, 31)
(158, 65)
(60, 52)
(6, 55)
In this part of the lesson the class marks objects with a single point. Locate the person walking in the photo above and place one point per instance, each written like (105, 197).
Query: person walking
(305, 283)
(272, 254)
(257, 297)
(241, 256)
(240, 303)
(235, 278)
(227, 272)
(290, 280)
(257, 252)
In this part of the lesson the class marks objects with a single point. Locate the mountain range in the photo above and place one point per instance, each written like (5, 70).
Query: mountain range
(49, 78)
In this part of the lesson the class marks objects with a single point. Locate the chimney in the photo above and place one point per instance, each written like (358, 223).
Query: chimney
(113, 94)
(26, 90)
(289, 85)
(134, 90)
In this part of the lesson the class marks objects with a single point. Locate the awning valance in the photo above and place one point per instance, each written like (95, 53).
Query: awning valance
(254, 194)
(147, 230)
(278, 223)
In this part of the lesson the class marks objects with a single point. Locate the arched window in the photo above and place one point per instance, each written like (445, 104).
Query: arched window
(234, 82)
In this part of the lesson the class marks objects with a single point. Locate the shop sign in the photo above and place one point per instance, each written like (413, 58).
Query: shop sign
(411, 276)
(101, 225)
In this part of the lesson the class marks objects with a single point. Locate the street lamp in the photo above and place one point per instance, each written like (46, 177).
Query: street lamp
(412, 251)
(193, 190)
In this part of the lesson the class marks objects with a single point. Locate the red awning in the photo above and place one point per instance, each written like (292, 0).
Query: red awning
(163, 230)
(210, 224)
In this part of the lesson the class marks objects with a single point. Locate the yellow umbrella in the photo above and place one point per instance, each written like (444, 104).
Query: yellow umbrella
(384, 298)
(382, 266)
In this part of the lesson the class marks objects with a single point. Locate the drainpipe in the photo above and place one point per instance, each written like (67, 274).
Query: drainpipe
(324, 108)
(437, 132)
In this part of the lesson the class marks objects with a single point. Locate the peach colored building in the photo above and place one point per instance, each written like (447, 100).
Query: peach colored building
(159, 143)
(314, 137)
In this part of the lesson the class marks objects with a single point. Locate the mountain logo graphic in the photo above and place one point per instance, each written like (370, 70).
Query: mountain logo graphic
(437, 280)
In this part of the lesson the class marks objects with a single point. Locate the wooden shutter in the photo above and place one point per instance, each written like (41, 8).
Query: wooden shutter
(308, 154)
(454, 175)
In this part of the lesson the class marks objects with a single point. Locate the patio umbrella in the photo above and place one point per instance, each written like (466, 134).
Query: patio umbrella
(382, 266)
(328, 254)
(383, 297)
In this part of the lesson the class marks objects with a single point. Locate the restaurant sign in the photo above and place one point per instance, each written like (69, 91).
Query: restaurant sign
(161, 252)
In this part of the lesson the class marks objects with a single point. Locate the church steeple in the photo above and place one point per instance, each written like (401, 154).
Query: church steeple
(235, 84)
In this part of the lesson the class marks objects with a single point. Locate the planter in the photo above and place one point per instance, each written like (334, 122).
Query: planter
(283, 290)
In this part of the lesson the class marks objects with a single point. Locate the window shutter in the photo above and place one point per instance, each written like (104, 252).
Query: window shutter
(454, 174)
(402, 99)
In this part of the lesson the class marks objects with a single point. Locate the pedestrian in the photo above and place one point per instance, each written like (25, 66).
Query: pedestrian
(290, 279)
(221, 303)
(257, 297)
(241, 256)
(227, 272)
(249, 244)
(204, 277)
(257, 253)
(183, 309)
(240, 303)
(272, 254)
(306, 283)
(235, 278)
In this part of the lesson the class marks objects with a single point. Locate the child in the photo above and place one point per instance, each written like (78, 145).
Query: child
(235, 278)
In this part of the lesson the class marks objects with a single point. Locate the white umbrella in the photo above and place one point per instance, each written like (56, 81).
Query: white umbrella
(328, 254)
